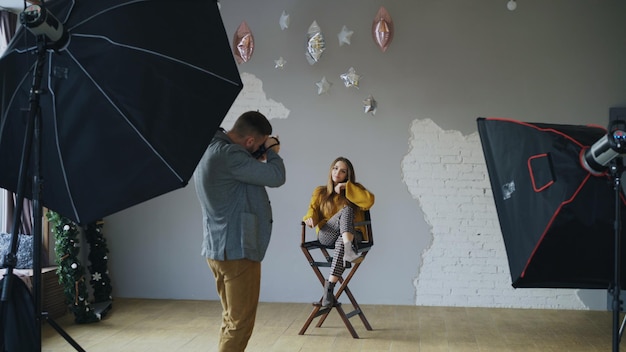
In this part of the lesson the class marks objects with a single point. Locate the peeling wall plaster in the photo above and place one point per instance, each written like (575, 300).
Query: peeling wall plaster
(466, 263)
(252, 97)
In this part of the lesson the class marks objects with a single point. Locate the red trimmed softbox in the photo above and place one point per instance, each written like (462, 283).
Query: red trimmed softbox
(557, 219)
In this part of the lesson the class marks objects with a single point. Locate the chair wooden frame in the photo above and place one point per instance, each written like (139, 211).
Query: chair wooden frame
(318, 310)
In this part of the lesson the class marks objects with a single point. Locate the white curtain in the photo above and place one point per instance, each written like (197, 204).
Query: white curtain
(8, 23)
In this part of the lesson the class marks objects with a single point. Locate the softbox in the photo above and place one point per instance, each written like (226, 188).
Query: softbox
(557, 219)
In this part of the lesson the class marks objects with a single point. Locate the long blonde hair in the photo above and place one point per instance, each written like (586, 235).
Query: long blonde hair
(331, 201)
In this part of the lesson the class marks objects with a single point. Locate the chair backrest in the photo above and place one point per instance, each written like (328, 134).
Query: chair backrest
(369, 234)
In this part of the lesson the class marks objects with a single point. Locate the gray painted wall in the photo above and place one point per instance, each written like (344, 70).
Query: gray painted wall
(450, 61)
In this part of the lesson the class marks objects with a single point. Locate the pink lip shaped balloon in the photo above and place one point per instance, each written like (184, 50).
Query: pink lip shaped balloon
(243, 43)
(382, 29)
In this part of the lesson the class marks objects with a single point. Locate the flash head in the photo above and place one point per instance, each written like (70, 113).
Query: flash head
(39, 21)
(596, 158)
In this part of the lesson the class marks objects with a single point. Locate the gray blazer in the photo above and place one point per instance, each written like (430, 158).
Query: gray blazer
(236, 211)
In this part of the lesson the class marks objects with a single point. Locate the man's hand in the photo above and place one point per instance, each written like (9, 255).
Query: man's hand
(272, 143)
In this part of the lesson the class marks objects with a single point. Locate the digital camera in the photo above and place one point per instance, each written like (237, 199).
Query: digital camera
(259, 152)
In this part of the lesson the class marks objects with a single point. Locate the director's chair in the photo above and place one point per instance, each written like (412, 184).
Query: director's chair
(363, 246)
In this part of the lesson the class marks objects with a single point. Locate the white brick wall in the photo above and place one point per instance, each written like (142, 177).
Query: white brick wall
(252, 97)
(465, 264)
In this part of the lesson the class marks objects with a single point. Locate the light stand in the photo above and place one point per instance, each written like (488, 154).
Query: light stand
(609, 150)
(616, 169)
(37, 19)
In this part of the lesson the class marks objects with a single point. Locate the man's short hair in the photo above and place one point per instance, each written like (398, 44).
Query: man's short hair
(252, 123)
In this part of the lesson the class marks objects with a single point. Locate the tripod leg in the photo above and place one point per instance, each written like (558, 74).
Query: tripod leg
(621, 329)
(62, 332)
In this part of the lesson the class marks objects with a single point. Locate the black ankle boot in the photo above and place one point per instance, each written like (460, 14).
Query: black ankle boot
(329, 294)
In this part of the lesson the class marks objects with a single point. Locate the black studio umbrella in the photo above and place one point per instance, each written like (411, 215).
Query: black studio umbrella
(557, 219)
(130, 103)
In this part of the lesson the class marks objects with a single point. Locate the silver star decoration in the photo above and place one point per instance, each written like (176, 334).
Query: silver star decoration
(280, 63)
(344, 36)
(350, 78)
(323, 86)
(369, 105)
(96, 277)
(284, 21)
(316, 44)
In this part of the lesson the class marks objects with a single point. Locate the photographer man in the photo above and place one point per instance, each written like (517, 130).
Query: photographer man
(237, 218)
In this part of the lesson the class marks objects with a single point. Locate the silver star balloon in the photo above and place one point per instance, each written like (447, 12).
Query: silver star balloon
(316, 44)
(344, 36)
(280, 63)
(369, 105)
(323, 86)
(284, 21)
(350, 78)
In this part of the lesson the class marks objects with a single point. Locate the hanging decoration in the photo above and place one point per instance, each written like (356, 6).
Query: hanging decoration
(315, 44)
(511, 5)
(382, 29)
(280, 63)
(369, 105)
(344, 36)
(323, 86)
(350, 78)
(284, 21)
(243, 43)
(71, 272)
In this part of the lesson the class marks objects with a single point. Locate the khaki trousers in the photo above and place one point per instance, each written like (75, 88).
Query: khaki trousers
(238, 284)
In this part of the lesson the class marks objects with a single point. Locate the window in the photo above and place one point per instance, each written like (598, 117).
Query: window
(3, 210)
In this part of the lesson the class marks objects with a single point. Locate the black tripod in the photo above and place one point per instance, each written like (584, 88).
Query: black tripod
(32, 146)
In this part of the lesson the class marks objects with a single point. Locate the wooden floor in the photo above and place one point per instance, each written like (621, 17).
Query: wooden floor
(190, 326)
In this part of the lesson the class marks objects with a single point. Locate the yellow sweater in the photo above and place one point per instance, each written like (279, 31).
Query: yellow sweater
(355, 192)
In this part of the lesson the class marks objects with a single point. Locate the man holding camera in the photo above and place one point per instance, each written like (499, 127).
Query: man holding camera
(237, 218)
